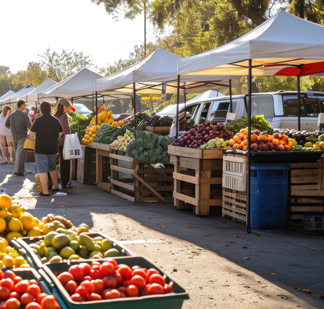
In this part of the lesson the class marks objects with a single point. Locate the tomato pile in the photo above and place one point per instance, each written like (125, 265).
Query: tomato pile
(108, 280)
(16, 293)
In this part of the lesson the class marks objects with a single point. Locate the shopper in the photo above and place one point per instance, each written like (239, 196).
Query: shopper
(47, 130)
(5, 136)
(61, 109)
(18, 122)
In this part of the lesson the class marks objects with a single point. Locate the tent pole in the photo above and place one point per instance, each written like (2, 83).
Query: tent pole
(230, 93)
(96, 107)
(134, 106)
(248, 170)
(185, 95)
(298, 90)
(177, 114)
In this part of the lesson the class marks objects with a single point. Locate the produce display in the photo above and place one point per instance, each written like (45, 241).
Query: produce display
(78, 124)
(158, 121)
(257, 123)
(16, 293)
(90, 134)
(149, 147)
(141, 120)
(122, 142)
(9, 257)
(104, 133)
(195, 138)
(216, 143)
(105, 117)
(107, 280)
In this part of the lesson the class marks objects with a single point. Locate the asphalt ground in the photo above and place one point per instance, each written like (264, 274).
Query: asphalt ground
(220, 264)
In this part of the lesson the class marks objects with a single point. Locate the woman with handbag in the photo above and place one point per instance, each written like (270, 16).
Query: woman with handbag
(47, 130)
(5, 136)
(62, 107)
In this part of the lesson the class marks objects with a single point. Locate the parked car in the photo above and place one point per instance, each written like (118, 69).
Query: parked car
(82, 109)
(170, 110)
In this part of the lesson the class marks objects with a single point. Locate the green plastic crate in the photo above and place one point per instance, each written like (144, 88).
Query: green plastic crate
(165, 301)
(36, 263)
(23, 252)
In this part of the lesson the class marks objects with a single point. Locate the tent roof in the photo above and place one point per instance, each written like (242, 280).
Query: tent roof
(284, 38)
(19, 94)
(33, 96)
(6, 95)
(149, 75)
(81, 83)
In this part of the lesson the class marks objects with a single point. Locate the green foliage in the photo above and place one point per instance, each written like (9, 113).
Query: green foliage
(311, 10)
(103, 134)
(78, 123)
(257, 123)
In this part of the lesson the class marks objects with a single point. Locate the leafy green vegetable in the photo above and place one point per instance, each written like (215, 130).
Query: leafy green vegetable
(78, 123)
(257, 123)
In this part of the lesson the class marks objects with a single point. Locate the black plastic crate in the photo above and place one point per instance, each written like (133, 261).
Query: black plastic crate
(313, 222)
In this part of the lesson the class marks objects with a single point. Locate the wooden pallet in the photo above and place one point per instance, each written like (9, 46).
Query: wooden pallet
(158, 130)
(100, 146)
(197, 181)
(234, 205)
(86, 167)
(140, 182)
(102, 166)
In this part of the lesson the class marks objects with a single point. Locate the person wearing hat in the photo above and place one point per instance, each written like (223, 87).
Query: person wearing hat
(182, 123)
(63, 106)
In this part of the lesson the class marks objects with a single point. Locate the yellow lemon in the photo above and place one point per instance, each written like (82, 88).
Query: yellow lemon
(36, 221)
(3, 212)
(13, 235)
(41, 225)
(1, 264)
(5, 201)
(19, 260)
(35, 231)
(27, 221)
(3, 225)
(16, 211)
(8, 261)
(9, 217)
(15, 225)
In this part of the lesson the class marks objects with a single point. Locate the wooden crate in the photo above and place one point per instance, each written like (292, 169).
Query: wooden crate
(158, 130)
(73, 169)
(103, 171)
(86, 167)
(197, 178)
(234, 205)
(140, 182)
(234, 172)
(29, 156)
(100, 146)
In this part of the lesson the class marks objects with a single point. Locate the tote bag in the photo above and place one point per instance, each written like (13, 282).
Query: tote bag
(72, 147)
(29, 144)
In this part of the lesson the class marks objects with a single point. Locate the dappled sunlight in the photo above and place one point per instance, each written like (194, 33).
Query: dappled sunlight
(26, 189)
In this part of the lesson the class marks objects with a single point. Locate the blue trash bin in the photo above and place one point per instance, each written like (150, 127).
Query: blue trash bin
(269, 195)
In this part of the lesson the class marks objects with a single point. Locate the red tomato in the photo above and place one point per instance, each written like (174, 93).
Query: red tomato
(12, 303)
(87, 278)
(110, 282)
(95, 272)
(65, 277)
(14, 295)
(17, 279)
(132, 291)
(138, 281)
(136, 267)
(89, 286)
(71, 287)
(94, 296)
(119, 278)
(139, 272)
(112, 261)
(98, 285)
(77, 297)
(40, 297)
(126, 283)
(107, 269)
(4, 293)
(77, 272)
(155, 278)
(81, 290)
(21, 287)
(1, 275)
(144, 291)
(155, 289)
(33, 305)
(8, 283)
(112, 294)
(9, 274)
(95, 263)
(125, 271)
(122, 295)
(33, 281)
(168, 288)
(49, 302)
(150, 272)
(27, 298)
(86, 268)
(34, 290)
(122, 289)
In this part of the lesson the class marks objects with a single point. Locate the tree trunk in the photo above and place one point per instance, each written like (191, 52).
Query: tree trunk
(297, 8)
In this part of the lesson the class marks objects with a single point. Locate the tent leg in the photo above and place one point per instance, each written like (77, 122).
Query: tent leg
(134, 104)
(177, 114)
(96, 107)
(248, 167)
(298, 91)
(230, 93)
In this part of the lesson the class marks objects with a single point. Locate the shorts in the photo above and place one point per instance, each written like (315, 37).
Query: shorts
(45, 162)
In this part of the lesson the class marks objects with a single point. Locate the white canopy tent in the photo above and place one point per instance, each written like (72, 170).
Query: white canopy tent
(19, 94)
(33, 96)
(209, 94)
(6, 95)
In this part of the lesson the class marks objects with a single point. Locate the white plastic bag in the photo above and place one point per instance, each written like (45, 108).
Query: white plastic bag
(72, 147)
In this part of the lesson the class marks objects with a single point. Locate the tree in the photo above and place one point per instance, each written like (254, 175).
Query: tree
(312, 10)
(35, 75)
(59, 66)
(4, 70)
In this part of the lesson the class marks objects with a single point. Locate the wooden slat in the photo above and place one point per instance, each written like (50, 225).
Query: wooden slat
(123, 195)
(121, 169)
(305, 192)
(304, 165)
(185, 198)
(186, 178)
(155, 171)
(305, 187)
(98, 167)
(174, 160)
(214, 165)
(103, 153)
(157, 188)
(122, 158)
(104, 186)
(190, 163)
(305, 200)
(212, 154)
(164, 129)
(306, 208)
(122, 184)
(210, 181)
(185, 152)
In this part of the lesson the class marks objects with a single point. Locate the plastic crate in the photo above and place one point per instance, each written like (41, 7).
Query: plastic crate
(23, 252)
(269, 195)
(165, 301)
(36, 263)
(313, 222)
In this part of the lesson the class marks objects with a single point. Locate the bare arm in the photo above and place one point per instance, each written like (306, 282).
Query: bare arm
(32, 134)
(60, 134)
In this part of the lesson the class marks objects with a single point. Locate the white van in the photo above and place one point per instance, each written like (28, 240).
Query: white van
(279, 108)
